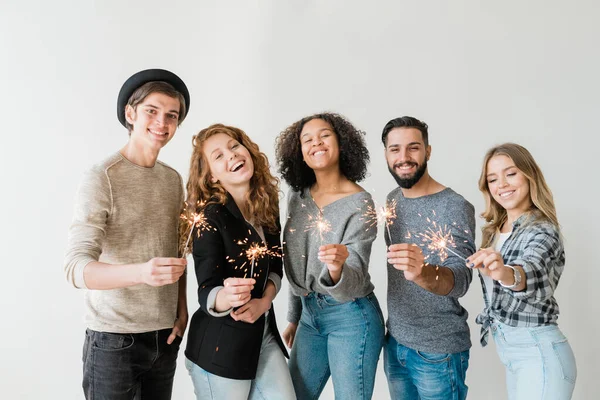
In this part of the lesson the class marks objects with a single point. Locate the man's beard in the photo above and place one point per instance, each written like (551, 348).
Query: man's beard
(410, 181)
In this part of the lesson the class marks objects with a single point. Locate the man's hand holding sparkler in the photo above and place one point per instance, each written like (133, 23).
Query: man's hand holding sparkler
(161, 271)
(235, 293)
(334, 256)
(408, 258)
(491, 263)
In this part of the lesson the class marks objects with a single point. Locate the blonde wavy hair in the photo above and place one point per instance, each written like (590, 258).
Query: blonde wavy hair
(262, 200)
(541, 197)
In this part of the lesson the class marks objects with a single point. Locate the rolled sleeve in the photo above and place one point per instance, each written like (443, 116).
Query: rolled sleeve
(276, 279)
(463, 233)
(208, 252)
(542, 261)
(93, 205)
(211, 301)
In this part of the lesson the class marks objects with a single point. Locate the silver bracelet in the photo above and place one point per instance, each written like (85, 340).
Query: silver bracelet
(516, 275)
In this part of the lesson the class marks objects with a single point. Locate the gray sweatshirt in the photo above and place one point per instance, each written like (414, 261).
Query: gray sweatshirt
(125, 213)
(301, 239)
(417, 318)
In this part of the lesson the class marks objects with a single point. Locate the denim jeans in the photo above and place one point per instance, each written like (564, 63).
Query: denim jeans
(272, 378)
(414, 374)
(129, 366)
(341, 339)
(539, 362)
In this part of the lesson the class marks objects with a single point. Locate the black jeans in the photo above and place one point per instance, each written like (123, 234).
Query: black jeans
(120, 366)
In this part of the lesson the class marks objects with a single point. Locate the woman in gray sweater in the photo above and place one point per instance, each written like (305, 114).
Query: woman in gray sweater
(336, 325)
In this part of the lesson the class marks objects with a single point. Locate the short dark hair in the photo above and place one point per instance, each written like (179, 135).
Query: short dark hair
(354, 155)
(147, 89)
(406, 122)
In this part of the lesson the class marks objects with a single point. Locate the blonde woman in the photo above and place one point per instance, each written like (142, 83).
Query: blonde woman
(520, 265)
(234, 350)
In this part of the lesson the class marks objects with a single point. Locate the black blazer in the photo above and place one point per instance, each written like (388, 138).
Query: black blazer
(221, 345)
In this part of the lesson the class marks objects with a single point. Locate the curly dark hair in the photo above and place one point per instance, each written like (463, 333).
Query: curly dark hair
(354, 155)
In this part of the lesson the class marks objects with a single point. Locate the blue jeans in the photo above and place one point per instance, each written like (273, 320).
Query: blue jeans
(272, 378)
(119, 366)
(341, 339)
(413, 374)
(539, 362)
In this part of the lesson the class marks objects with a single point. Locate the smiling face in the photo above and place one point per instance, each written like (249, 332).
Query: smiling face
(320, 147)
(406, 156)
(229, 162)
(508, 185)
(154, 120)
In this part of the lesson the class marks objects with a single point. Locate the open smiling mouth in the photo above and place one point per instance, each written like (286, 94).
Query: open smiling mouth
(162, 134)
(405, 167)
(238, 166)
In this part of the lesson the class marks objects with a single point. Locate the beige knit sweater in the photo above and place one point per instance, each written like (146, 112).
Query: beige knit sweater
(126, 214)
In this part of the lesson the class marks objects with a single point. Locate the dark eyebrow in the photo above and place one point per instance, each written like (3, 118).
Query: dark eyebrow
(156, 108)
(410, 144)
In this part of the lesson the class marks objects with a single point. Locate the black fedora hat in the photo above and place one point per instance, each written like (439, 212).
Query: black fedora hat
(143, 77)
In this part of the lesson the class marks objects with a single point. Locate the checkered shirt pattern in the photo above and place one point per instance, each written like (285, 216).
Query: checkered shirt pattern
(536, 245)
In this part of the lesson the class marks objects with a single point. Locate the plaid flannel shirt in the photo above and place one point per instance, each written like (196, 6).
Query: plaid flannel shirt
(537, 247)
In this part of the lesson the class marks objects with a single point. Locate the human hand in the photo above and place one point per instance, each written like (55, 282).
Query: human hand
(252, 310)
(491, 263)
(289, 334)
(235, 293)
(334, 256)
(161, 271)
(178, 328)
(408, 258)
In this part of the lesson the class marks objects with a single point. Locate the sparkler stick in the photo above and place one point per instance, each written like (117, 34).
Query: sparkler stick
(198, 220)
(318, 224)
(255, 252)
(384, 214)
(440, 240)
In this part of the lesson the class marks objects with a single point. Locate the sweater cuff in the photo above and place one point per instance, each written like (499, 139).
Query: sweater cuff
(78, 279)
(276, 279)
(212, 299)
(338, 290)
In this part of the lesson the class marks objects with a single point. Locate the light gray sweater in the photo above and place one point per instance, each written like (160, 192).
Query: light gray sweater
(126, 214)
(304, 271)
(417, 318)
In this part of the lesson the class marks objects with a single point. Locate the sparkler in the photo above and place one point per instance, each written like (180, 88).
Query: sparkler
(198, 220)
(254, 253)
(318, 224)
(381, 215)
(440, 240)
(257, 251)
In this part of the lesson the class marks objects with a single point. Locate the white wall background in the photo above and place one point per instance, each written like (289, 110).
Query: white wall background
(478, 73)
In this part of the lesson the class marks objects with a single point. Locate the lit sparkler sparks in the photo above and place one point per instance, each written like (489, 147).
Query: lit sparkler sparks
(197, 220)
(440, 240)
(257, 251)
(381, 215)
(318, 224)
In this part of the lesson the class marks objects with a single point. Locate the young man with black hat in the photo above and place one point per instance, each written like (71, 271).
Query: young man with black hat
(123, 248)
